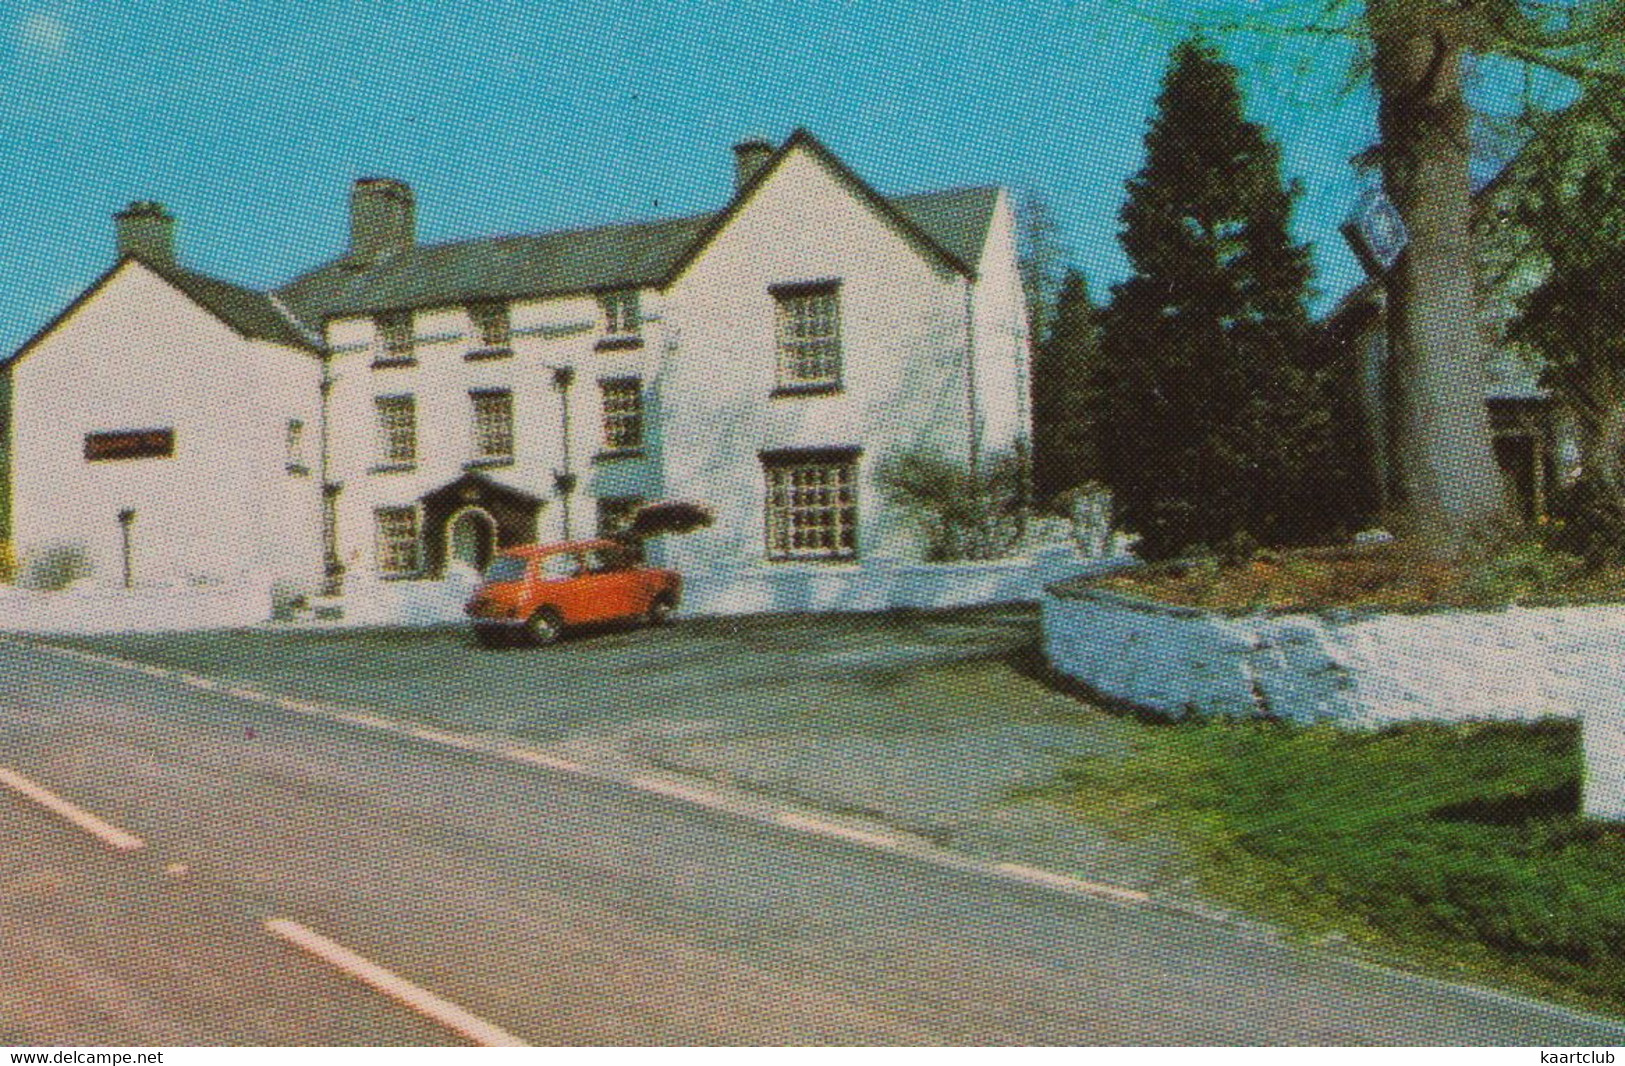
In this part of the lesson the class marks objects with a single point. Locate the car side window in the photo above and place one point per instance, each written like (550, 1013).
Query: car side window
(605, 561)
(564, 564)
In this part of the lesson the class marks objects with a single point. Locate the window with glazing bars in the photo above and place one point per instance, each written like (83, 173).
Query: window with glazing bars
(623, 414)
(396, 540)
(491, 325)
(623, 315)
(493, 423)
(395, 339)
(398, 429)
(812, 509)
(809, 335)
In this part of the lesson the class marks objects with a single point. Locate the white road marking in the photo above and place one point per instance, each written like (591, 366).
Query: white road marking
(1071, 884)
(791, 820)
(108, 834)
(753, 809)
(426, 1003)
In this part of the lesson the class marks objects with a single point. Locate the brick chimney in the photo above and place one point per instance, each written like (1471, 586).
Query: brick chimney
(383, 219)
(146, 231)
(750, 156)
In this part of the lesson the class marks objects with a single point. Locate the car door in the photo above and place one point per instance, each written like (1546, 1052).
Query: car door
(612, 586)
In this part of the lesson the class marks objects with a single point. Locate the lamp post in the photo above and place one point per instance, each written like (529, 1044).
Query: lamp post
(564, 479)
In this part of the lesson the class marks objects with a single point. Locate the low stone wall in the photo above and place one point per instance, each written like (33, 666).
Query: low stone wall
(883, 584)
(91, 610)
(1359, 670)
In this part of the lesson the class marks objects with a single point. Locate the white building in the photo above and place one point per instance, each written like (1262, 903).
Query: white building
(407, 405)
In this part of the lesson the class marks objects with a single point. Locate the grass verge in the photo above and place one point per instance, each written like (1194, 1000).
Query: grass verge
(1459, 846)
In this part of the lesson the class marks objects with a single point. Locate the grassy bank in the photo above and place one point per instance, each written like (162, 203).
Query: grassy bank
(1459, 846)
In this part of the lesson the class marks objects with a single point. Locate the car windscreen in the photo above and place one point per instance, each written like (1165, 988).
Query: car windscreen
(505, 568)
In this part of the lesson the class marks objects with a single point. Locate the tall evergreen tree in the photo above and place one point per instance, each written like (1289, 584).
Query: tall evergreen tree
(1211, 424)
(1064, 404)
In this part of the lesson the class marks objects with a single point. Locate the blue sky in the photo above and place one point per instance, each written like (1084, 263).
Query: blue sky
(250, 119)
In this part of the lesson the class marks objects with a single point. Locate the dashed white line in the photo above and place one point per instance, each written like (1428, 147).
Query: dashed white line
(441, 1011)
(108, 834)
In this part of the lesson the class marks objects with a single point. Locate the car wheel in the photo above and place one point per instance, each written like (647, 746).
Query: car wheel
(544, 627)
(659, 611)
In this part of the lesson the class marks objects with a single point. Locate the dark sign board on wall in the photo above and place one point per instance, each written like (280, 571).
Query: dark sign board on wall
(130, 444)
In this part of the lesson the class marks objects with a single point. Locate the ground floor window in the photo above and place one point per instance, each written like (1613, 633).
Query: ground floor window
(812, 506)
(397, 540)
(615, 514)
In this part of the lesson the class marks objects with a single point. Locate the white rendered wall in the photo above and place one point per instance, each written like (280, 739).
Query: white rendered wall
(904, 334)
(139, 355)
(547, 334)
(1000, 309)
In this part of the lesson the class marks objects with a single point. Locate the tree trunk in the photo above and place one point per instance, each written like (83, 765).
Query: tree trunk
(1447, 483)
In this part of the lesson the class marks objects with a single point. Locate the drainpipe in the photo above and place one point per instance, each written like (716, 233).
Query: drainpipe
(564, 480)
(332, 565)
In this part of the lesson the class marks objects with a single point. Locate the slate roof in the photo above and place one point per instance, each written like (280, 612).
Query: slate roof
(950, 226)
(255, 315)
(637, 254)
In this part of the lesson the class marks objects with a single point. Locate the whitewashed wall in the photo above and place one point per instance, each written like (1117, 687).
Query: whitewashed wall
(140, 355)
(551, 333)
(904, 333)
(1363, 672)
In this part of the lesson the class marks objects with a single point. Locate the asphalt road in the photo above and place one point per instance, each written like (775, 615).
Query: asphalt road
(569, 910)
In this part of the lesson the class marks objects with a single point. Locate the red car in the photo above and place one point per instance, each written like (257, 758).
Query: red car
(540, 590)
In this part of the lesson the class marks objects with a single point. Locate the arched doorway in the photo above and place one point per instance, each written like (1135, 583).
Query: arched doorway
(471, 538)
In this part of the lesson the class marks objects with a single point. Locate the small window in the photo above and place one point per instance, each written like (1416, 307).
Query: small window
(395, 337)
(493, 424)
(623, 414)
(397, 539)
(623, 316)
(295, 446)
(812, 510)
(492, 329)
(398, 429)
(809, 336)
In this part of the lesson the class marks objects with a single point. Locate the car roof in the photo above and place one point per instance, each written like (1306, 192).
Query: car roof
(532, 551)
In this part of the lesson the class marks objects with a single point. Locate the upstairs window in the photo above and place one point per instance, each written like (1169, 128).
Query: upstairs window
(396, 342)
(809, 336)
(812, 506)
(397, 430)
(395, 542)
(492, 330)
(493, 425)
(623, 414)
(623, 318)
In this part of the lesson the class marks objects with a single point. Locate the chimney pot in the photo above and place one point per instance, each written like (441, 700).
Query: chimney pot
(147, 232)
(750, 156)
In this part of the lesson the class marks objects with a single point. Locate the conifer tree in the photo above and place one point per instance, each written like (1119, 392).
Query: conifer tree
(1211, 428)
(1064, 404)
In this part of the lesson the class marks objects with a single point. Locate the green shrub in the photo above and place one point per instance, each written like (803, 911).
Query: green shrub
(960, 513)
(8, 563)
(54, 568)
